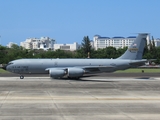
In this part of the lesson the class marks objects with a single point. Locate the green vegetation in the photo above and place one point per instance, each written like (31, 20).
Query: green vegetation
(86, 46)
(3, 71)
(139, 70)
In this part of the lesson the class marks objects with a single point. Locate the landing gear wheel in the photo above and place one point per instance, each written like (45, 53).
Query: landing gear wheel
(21, 77)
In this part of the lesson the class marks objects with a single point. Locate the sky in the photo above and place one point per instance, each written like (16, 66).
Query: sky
(68, 21)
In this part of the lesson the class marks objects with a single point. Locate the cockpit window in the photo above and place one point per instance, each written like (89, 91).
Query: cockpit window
(10, 63)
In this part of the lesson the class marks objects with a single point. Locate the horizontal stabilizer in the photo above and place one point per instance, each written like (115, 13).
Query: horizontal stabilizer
(138, 62)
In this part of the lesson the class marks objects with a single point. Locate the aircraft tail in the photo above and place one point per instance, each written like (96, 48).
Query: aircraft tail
(135, 51)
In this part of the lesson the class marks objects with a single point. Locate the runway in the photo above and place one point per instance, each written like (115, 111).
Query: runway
(96, 98)
(88, 75)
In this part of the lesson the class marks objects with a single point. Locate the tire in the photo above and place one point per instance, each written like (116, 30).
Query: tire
(21, 77)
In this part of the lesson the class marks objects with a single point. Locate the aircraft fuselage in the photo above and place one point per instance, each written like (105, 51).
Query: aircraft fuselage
(24, 66)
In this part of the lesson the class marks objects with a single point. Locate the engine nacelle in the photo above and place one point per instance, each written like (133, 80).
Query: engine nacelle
(75, 72)
(57, 73)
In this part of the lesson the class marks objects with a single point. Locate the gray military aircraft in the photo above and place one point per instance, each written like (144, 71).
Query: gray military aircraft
(76, 68)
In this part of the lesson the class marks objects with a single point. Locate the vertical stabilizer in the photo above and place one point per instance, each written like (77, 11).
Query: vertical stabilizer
(135, 51)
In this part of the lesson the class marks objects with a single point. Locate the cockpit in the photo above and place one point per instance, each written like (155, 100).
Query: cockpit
(9, 63)
(5, 66)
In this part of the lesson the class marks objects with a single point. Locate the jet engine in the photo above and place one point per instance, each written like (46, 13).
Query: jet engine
(75, 72)
(57, 73)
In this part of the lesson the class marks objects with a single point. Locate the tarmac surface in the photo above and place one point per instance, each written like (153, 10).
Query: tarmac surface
(99, 97)
(89, 75)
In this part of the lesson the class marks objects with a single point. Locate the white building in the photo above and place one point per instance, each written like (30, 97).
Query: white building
(70, 47)
(38, 43)
(9, 45)
(157, 42)
(92, 43)
(117, 42)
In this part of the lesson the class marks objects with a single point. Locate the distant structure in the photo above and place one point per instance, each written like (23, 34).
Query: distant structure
(157, 42)
(92, 43)
(9, 45)
(117, 42)
(46, 43)
(38, 43)
(69, 47)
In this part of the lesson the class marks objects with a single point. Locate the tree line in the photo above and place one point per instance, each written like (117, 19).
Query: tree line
(18, 52)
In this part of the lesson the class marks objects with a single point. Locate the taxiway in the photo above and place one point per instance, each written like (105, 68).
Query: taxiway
(96, 98)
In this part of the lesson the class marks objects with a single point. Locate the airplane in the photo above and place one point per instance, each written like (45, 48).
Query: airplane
(76, 68)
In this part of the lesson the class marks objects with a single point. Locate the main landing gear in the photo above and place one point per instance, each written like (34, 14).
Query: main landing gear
(21, 77)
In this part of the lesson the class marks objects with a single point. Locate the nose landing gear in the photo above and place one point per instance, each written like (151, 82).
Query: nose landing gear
(21, 77)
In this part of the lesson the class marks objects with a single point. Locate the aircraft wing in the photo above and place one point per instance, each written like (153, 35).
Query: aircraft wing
(87, 69)
(138, 62)
(57, 68)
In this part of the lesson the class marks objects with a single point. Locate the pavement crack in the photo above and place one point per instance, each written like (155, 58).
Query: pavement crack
(54, 104)
(5, 99)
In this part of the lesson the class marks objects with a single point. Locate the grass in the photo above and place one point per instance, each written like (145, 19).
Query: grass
(139, 70)
(3, 71)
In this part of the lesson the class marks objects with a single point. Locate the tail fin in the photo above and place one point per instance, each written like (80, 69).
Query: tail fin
(135, 51)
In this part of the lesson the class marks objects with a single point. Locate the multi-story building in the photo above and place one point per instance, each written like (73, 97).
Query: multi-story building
(38, 43)
(157, 42)
(117, 42)
(70, 47)
(27, 44)
(9, 45)
(98, 42)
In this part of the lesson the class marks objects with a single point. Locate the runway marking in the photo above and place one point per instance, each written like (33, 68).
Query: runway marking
(78, 98)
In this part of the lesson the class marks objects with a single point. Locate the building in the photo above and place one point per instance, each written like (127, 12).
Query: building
(70, 47)
(38, 43)
(117, 42)
(9, 45)
(157, 42)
